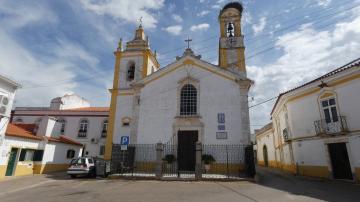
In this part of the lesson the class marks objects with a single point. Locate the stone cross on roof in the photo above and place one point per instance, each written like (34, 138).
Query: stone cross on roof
(188, 40)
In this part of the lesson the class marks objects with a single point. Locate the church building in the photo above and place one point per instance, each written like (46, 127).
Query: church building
(189, 100)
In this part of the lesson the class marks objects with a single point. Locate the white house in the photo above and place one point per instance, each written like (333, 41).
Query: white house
(32, 149)
(7, 94)
(75, 119)
(187, 101)
(315, 127)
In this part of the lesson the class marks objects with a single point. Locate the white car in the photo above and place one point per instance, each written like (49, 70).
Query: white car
(82, 166)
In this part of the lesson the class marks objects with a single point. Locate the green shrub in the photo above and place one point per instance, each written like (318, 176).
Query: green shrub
(169, 158)
(207, 158)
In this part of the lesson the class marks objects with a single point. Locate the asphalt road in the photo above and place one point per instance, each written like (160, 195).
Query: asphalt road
(271, 186)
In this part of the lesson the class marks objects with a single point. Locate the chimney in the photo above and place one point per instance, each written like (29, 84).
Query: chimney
(46, 126)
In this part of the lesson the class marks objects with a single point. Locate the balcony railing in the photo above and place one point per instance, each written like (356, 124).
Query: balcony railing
(82, 133)
(327, 127)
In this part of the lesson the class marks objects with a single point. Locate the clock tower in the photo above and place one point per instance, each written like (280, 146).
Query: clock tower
(231, 42)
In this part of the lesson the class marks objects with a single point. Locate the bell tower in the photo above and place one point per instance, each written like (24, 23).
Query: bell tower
(231, 42)
(133, 64)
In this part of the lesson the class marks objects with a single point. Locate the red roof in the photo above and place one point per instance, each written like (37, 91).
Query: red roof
(64, 139)
(355, 63)
(22, 131)
(27, 131)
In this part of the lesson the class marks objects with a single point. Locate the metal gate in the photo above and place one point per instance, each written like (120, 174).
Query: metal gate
(163, 161)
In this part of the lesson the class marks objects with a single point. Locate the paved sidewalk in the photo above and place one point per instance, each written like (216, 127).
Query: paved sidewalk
(271, 186)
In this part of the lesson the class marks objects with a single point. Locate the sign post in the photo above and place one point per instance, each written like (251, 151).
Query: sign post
(124, 142)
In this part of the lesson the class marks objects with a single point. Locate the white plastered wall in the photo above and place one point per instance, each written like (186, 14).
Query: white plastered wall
(159, 106)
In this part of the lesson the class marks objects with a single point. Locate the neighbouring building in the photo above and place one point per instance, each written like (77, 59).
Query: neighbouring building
(8, 88)
(188, 101)
(315, 128)
(33, 149)
(75, 118)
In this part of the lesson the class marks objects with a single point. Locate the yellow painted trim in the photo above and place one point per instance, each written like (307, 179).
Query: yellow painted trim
(189, 62)
(145, 63)
(357, 173)
(314, 171)
(241, 59)
(193, 63)
(327, 94)
(222, 29)
(122, 94)
(271, 163)
(223, 57)
(223, 168)
(331, 84)
(47, 168)
(23, 169)
(2, 171)
(112, 113)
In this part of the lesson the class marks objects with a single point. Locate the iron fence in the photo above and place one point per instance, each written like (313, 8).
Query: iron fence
(223, 161)
(136, 160)
(142, 160)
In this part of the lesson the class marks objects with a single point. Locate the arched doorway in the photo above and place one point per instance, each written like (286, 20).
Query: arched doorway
(265, 155)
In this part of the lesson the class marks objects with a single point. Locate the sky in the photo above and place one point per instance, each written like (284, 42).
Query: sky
(56, 47)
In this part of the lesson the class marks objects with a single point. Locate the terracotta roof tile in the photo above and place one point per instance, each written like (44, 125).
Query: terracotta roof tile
(27, 131)
(22, 131)
(64, 139)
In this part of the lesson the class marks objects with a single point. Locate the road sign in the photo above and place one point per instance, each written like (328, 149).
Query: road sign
(124, 142)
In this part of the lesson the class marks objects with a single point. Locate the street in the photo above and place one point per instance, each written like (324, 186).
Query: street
(270, 186)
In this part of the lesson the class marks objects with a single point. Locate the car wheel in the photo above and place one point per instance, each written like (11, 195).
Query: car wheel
(73, 176)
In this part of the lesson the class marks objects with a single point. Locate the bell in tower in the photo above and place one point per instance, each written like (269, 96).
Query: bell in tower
(231, 42)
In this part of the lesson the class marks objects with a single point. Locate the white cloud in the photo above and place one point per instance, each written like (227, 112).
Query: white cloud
(324, 3)
(203, 13)
(216, 6)
(201, 1)
(307, 54)
(16, 15)
(200, 27)
(174, 30)
(129, 11)
(258, 28)
(177, 18)
(52, 74)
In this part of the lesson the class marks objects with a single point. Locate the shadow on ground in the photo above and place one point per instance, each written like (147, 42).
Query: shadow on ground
(321, 189)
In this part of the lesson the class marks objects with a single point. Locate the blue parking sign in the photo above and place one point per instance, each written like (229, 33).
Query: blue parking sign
(124, 140)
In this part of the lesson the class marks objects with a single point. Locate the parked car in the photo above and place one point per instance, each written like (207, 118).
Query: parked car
(82, 166)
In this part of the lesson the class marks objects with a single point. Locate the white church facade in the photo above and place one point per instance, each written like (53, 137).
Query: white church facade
(187, 101)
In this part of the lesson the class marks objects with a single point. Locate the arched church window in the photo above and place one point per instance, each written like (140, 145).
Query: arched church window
(188, 100)
(131, 71)
(230, 29)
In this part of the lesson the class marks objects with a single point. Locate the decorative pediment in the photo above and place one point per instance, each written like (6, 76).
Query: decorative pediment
(188, 79)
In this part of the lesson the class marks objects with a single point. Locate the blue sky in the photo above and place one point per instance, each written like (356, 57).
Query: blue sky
(57, 47)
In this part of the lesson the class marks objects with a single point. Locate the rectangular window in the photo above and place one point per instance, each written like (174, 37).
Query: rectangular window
(330, 111)
(221, 118)
(38, 155)
(102, 150)
(27, 155)
(327, 115)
